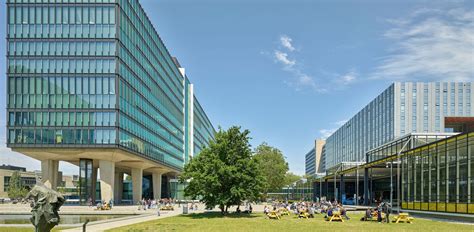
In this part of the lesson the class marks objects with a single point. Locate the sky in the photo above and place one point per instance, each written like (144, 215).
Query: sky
(292, 71)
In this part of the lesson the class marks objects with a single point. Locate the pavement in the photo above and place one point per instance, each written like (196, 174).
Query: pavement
(115, 223)
(72, 209)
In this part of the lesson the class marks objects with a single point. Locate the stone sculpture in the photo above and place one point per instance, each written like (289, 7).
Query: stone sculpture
(45, 206)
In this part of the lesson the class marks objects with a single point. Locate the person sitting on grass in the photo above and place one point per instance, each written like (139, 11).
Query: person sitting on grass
(344, 213)
(266, 210)
(311, 211)
(248, 209)
(330, 213)
(368, 215)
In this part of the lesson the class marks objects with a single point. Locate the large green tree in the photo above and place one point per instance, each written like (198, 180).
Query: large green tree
(273, 165)
(15, 189)
(225, 173)
(291, 178)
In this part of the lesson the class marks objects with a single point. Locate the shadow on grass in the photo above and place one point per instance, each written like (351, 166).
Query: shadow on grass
(209, 215)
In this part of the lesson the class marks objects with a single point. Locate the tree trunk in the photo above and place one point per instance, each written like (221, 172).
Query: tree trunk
(222, 209)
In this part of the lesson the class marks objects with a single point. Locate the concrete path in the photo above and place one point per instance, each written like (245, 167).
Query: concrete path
(73, 209)
(125, 221)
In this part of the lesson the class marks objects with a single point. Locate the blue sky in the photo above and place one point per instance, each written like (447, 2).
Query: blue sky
(293, 71)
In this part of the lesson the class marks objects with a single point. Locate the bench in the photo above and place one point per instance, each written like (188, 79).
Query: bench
(169, 207)
(403, 217)
(273, 215)
(284, 211)
(336, 216)
(303, 215)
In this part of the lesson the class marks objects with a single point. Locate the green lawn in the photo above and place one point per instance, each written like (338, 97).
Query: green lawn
(258, 222)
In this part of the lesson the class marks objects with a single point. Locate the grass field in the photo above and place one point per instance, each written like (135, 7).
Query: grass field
(258, 222)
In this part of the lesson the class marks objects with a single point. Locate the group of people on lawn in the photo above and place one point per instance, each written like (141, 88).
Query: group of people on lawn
(324, 207)
(145, 204)
(381, 209)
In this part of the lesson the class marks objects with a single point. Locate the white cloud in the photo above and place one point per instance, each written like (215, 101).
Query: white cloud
(306, 80)
(282, 57)
(348, 78)
(325, 133)
(301, 79)
(286, 42)
(429, 45)
(340, 123)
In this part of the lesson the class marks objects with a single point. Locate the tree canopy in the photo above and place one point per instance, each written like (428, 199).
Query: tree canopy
(291, 178)
(225, 173)
(15, 188)
(273, 165)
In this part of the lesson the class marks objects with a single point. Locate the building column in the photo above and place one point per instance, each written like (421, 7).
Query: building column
(327, 190)
(93, 189)
(107, 174)
(49, 173)
(118, 188)
(366, 186)
(343, 188)
(137, 181)
(156, 178)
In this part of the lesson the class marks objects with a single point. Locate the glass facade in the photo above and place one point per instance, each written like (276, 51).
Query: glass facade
(86, 181)
(421, 107)
(151, 90)
(310, 162)
(203, 129)
(61, 73)
(96, 73)
(368, 129)
(440, 176)
(403, 108)
(404, 143)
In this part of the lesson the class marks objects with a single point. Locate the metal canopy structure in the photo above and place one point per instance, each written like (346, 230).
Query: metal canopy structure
(379, 162)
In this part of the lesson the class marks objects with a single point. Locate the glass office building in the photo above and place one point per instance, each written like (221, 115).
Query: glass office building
(440, 176)
(203, 129)
(401, 109)
(310, 162)
(96, 74)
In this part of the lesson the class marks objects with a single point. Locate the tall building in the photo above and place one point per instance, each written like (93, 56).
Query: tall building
(310, 162)
(401, 109)
(315, 158)
(92, 83)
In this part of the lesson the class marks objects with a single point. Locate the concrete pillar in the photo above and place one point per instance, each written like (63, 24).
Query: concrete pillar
(118, 188)
(107, 175)
(93, 189)
(137, 178)
(49, 173)
(156, 176)
(366, 186)
(343, 188)
(327, 190)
